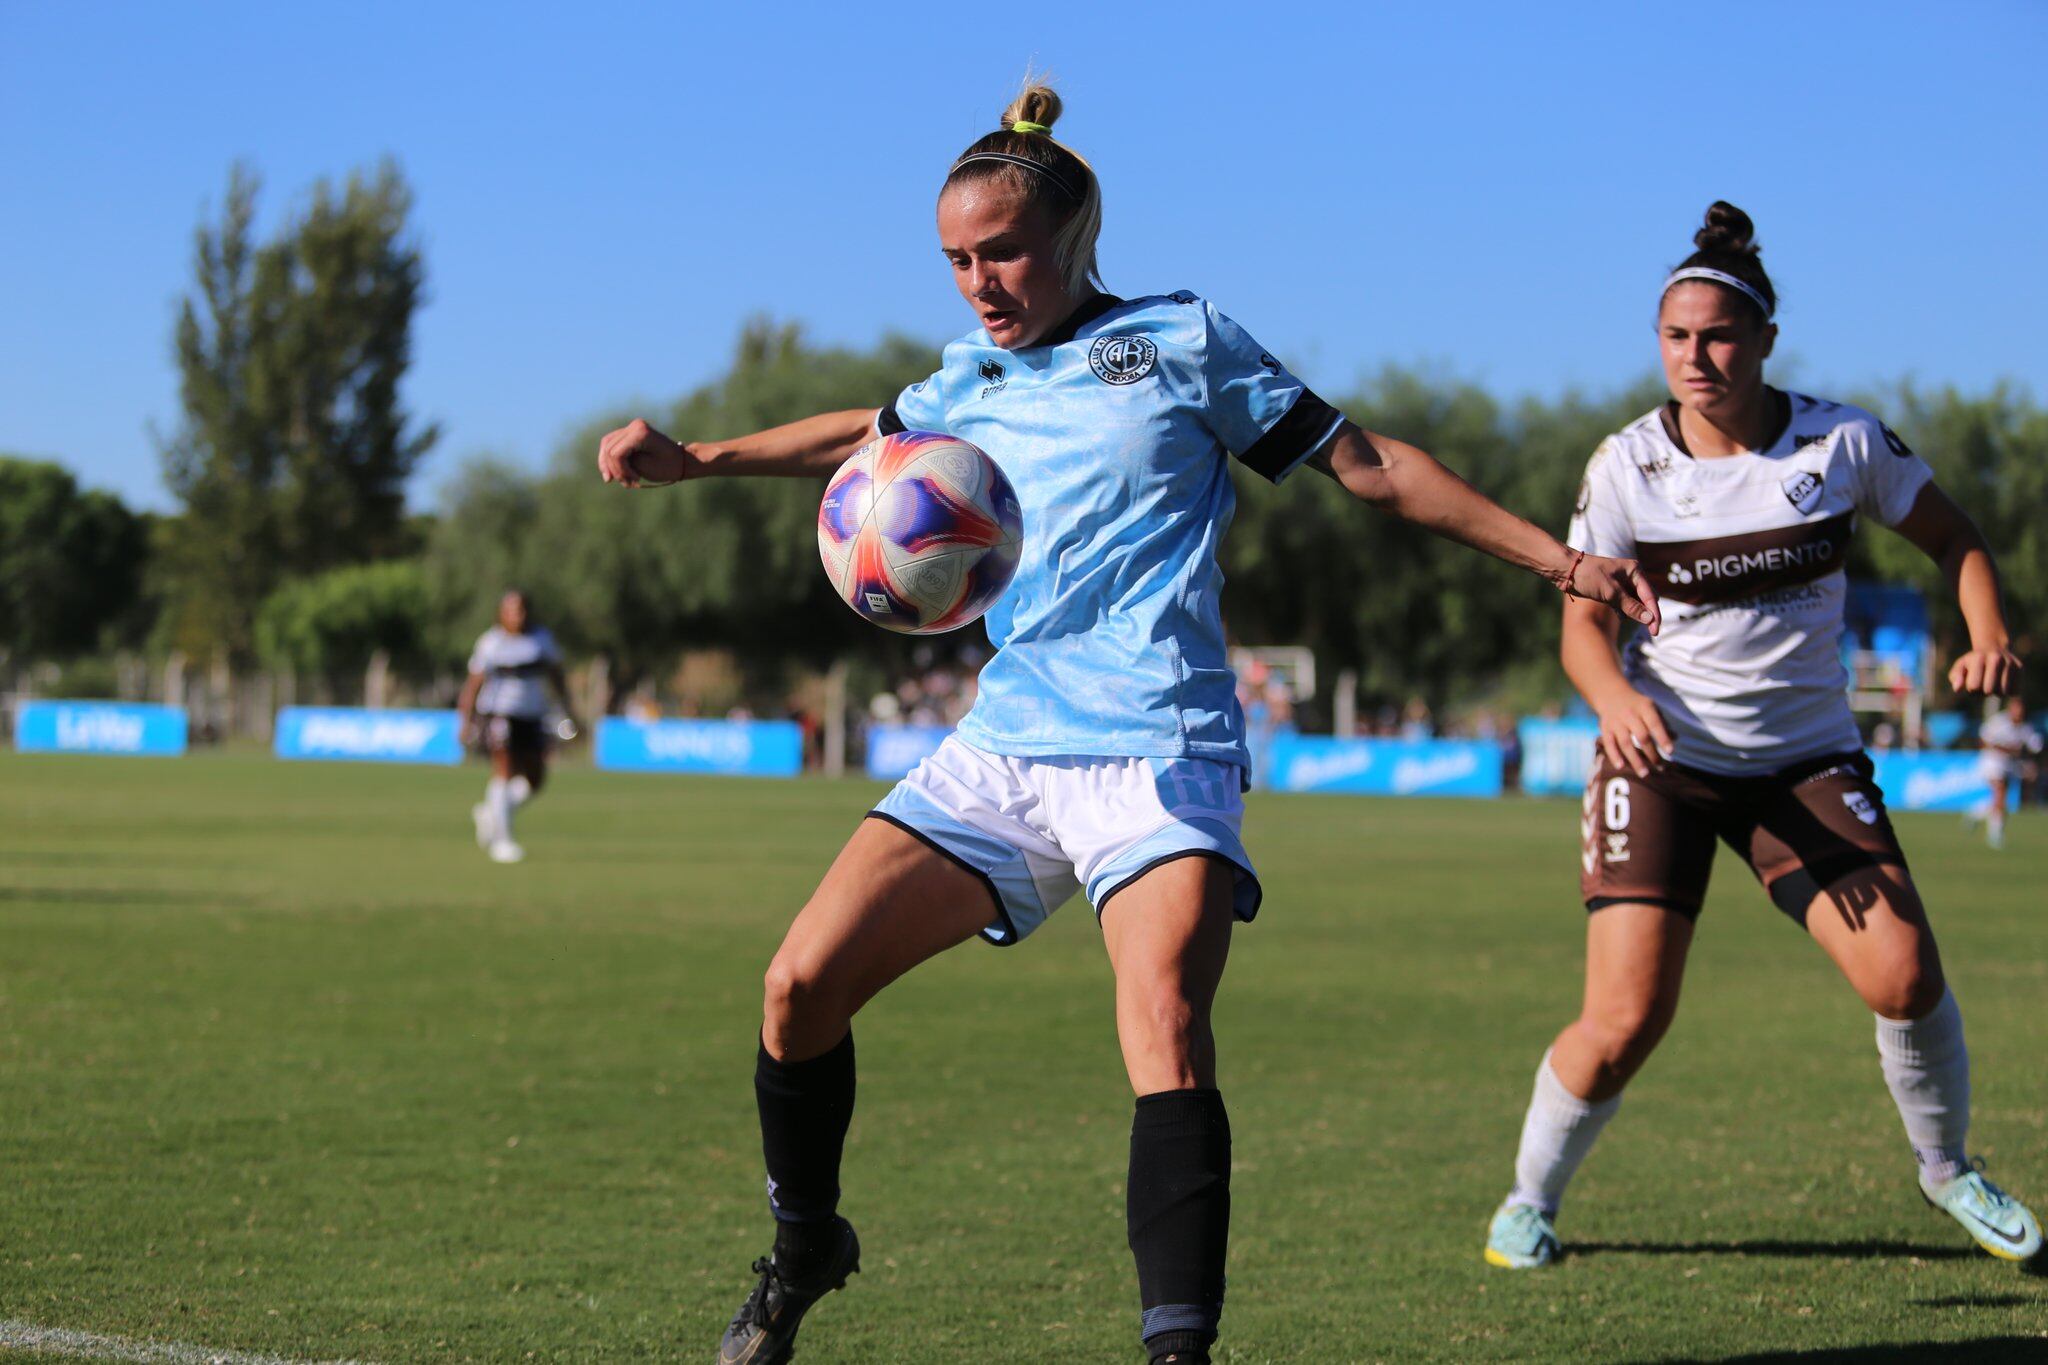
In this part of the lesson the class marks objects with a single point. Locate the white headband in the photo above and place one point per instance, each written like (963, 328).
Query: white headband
(1701, 272)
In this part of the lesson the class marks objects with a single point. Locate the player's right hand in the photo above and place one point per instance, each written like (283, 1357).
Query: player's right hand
(636, 455)
(1632, 733)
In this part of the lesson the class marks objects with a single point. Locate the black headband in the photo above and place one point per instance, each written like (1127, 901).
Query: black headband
(1059, 181)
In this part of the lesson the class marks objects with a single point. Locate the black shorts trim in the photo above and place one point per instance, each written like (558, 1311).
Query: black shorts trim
(1258, 888)
(1795, 892)
(1691, 910)
(988, 883)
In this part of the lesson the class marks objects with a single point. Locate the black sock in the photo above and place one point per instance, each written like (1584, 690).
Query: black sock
(1178, 1206)
(805, 1109)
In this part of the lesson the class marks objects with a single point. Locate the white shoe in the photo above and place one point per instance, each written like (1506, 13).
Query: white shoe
(480, 816)
(505, 851)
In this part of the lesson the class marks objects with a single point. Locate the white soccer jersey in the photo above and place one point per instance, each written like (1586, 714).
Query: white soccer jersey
(515, 669)
(1746, 555)
(2005, 742)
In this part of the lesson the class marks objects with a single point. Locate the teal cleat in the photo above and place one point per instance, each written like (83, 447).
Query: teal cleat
(1994, 1219)
(1521, 1238)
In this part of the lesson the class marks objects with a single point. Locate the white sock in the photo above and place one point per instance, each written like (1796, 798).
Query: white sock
(520, 790)
(1556, 1135)
(1927, 1068)
(498, 796)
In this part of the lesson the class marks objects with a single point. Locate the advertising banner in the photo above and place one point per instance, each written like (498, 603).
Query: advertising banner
(1930, 780)
(99, 727)
(1382, 767)
(361, 735)
(741, 748)
(893, 750)
(1557, 755)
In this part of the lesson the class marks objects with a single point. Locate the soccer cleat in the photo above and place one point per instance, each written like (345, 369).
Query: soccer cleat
(1521, 1238)
(1994, 1219)
(505, 851)
(763, 1332)
(486, 830)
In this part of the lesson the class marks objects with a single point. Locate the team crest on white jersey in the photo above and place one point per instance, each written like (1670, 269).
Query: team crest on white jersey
(1123, 359)
(1860, 806)
(1803, 490)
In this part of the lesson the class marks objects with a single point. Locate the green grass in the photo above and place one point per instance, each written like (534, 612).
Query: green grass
(286, 1066)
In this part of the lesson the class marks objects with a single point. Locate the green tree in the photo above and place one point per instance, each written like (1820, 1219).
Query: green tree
(71, 563)
(333, 623)
(295, 448)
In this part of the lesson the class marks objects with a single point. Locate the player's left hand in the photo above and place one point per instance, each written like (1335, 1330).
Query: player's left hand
(1986, 673)
(638, 456)
(1620, 584)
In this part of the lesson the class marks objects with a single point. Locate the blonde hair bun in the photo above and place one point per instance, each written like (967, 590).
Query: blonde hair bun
(1036, 103)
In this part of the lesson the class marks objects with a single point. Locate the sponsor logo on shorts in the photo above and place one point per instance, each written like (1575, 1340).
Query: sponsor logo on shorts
(1617, 848)
(1860, 806)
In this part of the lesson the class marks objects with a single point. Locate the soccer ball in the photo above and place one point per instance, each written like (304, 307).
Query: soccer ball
(919, 532)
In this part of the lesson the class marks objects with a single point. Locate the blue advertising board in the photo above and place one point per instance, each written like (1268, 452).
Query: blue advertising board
(1557, 755)
(740, 748)
(1923, 779)
(362, 735)
(99, 727)
(893, 750)
(1382, 767)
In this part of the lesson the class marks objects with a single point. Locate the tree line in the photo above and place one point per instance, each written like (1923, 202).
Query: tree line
(294, 546)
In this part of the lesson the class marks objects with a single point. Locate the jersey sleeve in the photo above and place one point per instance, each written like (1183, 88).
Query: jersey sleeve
(480, 654)
(921, 407)
(1600, 520)
(1889, 476)
(550, 652)
(1263, 415)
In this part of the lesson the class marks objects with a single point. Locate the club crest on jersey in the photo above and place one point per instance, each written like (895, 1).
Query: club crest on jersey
(1803, 490)
(1122, 360)
(1859, 806)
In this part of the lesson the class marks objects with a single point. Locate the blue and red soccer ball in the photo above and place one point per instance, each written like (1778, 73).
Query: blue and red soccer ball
(920, 532)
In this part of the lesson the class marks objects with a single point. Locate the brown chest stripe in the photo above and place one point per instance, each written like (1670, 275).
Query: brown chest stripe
(1724, 568)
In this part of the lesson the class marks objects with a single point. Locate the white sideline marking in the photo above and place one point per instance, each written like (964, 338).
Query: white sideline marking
(26, 1336)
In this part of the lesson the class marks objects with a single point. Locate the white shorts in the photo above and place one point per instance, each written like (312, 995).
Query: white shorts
(1993, 766)
(1036, 830)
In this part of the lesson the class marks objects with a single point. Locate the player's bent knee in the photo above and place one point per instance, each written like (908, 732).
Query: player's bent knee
(1623, 1036)
(1908, 988)
(797, 996)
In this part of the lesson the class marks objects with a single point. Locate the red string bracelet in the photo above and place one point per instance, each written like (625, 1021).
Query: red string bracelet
(1571, 572)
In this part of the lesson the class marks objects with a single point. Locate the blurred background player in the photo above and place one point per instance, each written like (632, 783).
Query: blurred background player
(1740, 500)
(504, 705)
(1105, 749)
(2009, 744)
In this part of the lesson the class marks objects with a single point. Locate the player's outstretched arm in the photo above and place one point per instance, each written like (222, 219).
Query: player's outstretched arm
(1944, 533)
(1398, 478)
(638, 456)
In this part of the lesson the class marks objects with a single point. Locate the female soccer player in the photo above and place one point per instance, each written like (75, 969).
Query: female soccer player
(1733, 723)
(504, 703)
(2008, 743)
(1105, 750)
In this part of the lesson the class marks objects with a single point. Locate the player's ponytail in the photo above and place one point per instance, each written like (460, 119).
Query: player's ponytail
(1023, 155)
(1727, 254)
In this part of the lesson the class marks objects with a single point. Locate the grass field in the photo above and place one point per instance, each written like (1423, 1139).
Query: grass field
(286, 1066)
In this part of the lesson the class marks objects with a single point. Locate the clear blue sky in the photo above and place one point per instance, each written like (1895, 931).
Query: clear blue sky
(607, 192)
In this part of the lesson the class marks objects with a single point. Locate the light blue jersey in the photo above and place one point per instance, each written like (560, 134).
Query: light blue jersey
(1115, 430)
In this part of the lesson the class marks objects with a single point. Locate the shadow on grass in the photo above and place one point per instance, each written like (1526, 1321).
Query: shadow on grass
(1854, 1251)
(1983, 1351)
(1977, 1301)
(100, 895)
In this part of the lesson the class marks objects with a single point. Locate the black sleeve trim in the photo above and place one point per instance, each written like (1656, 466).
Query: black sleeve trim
(887, 423)
(1290, 440)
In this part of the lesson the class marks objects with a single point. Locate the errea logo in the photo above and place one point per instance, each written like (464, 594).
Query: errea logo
(992, 371)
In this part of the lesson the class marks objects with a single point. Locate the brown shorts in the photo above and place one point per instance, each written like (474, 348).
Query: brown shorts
(1651, 839)
(519, 735)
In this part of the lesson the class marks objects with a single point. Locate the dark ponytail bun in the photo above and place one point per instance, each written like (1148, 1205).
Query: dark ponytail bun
(1726, 242)
(1727, 231)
